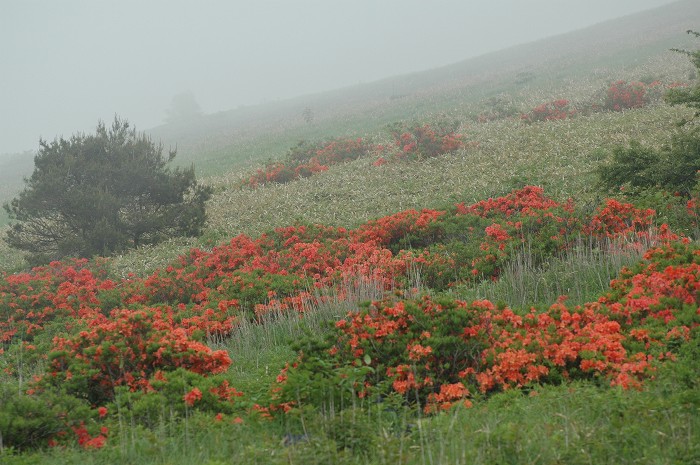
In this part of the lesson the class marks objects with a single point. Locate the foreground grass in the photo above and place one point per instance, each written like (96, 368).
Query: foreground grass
(571, 424)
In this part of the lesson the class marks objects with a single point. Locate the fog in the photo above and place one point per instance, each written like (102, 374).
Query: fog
(66, 64)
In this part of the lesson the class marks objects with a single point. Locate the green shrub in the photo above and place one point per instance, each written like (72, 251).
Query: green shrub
(175, 394)
(665, 180)
(31, 421)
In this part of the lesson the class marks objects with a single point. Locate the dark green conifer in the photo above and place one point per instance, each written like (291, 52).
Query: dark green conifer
(103, 193)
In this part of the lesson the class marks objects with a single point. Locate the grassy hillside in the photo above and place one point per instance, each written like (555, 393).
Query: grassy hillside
(574, 65)
(322, 321)
(560, 155)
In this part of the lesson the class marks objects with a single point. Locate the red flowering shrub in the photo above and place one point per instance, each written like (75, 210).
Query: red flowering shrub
(622, 95)
(30, 300)
(425, 140)
(388, 230)
(524, 215)
(651, 291)
(86, 441)
(617, 219)
(179, 391)
(437, 352)
(309, 158)
(273, 172)
(526, 201)
(127, 349)
(557, 109)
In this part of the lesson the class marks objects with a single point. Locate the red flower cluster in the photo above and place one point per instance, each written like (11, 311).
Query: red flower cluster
(192, 397)
(423, 141)
(557, 109)
(622, 95)
(387, 230)
(526, 202)
(307, 159)
(616, 219)
(127, 348)
(440, 351)
(87, 441)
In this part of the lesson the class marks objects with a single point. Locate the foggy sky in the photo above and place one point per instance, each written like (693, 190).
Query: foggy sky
(65, 64)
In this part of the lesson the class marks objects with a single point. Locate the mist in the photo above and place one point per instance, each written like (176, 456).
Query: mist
(68, 64)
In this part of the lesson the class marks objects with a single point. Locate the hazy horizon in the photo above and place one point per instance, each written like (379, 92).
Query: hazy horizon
(69, 64)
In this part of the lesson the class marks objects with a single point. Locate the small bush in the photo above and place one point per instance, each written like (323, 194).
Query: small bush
(665, 179)
(308, 158)
(426, 140)
(33, 421)
(555, 110)
(496, 108)
(622, 95)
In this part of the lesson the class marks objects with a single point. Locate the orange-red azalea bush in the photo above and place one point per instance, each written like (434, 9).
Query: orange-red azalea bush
(419, 141)
(437, 352)
(557, 109)
(622, 95)
(308, 158)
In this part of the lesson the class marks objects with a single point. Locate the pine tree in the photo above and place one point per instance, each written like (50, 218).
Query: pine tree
(103, 193)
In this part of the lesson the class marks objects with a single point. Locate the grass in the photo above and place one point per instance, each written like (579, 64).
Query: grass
(10, 259)
(581, 275)
(584, 424)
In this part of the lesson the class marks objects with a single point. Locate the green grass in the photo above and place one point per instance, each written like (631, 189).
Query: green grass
(581, 275)
(565, 425)
(10, 259)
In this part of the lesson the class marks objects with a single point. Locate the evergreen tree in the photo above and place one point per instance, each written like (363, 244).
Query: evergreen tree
(103, 193)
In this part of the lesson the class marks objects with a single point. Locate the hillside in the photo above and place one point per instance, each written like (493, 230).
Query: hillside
(575, 65)
(634, 46)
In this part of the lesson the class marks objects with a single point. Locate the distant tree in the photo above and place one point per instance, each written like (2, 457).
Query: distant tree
(103, 193)
(184, 107)
(308, 115)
